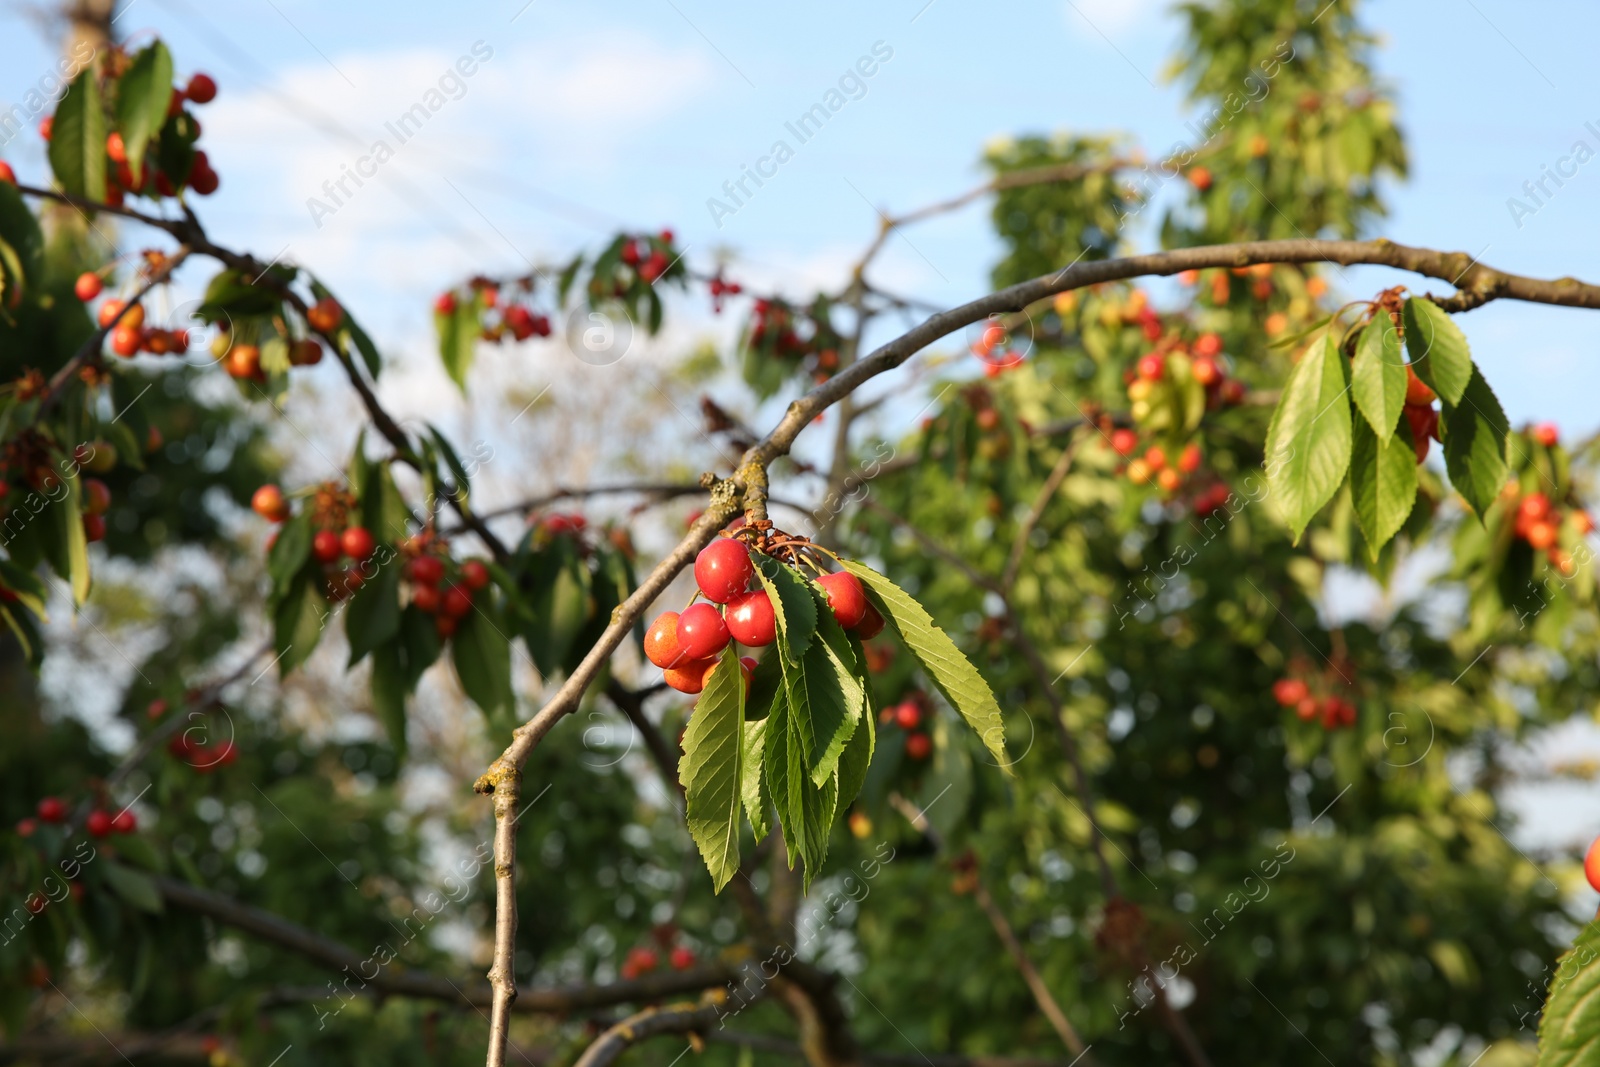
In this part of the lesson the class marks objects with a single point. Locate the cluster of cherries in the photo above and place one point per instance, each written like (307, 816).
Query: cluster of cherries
(993, 346)
(774, 322)
(648, 259)
(448, 602)
(202, 178)
(720, 287)
(517, 320)
(130, 335)
(909, 716)
(335, 540)
(1334, 711)
(1153, 463)
(642, 959)
(100, 823)
(203, 757)
(96, 502)
(687, 646)
(242, 361)
(1538, 522)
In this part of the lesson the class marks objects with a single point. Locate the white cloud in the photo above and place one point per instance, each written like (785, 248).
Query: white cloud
(1113, 18)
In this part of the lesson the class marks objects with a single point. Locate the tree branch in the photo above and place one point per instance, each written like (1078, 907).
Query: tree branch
(324, 952)
(651, 1022)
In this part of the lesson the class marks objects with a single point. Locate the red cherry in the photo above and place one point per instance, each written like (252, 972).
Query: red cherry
(1546, 434)
(125, 340)
(1208, 345)
(907, 715)
(682, 958)
(202, 89)
(124, 822)
(325, 546)
(268, 502)
(690, 677)
(846, 597)
(426, 598)
(1306, 709)
(357, 543)
(425, 570)
(630, 253)
(1289, 691)
(751, 619)
(7, 175)
(1124, 441)
(1591, 865)
(919, 746)
(702, 633)
(88, 286)
(1534, 507)
(457, 601)
(52, 809)
(325, 315)
(96, 496)
(46, 125)
(1417, 392)
(156, 709)
(204, 180)
(871, 624)
(1152, 367)
(661, 641)
(94, 528)
(27, 827)
(475, 574)
(444, 625)
(445, 304)
(723, 569)
(98, 823)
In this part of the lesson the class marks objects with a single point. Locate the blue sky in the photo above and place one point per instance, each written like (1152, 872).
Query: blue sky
(636, 113)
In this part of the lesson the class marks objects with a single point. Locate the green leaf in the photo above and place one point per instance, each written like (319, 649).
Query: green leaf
(1474, 434)
(1383, 483)
(951, 672)
(20, 229)
(298, 620)
(420, 643)
(483, 660)
(856, 758)
(143, 96)
(1439, 352)
(792, 604)
(289, 552)
(1378, 375)
(389, 690)
(77, 541)
(26, 630)
(363, 345)
(712, 769)
(824, 688)
(373, 616)
(78, 139)
(1308, 441)
(135, 887)
(24, 585)
(458, 339)
(752, 783)
(1569, 1029)
(805, 811)
(558, 604)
